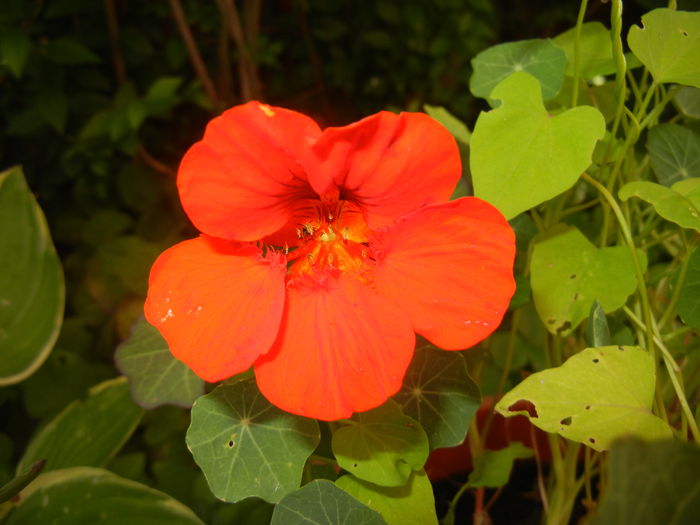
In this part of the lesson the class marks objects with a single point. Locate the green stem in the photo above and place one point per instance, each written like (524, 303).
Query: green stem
(577, 51)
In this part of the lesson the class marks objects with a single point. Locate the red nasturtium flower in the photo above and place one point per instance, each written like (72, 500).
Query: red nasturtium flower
(323, 252)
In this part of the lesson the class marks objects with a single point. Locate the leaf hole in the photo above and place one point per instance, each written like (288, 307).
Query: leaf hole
(621, 348)
(354, 464)
(572, 276)
(230, 444)
(575, 297)
(525, 406)
(587, 407)
(596, 360)
(566, 421)
(684, 33)
(591, 440)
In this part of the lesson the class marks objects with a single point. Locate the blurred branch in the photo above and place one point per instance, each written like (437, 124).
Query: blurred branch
(117, 57)
(155, 164)
(247, 70)
(224, 59)
(193, 51)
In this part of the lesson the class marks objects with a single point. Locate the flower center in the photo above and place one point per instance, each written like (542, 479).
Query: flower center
(333, 240)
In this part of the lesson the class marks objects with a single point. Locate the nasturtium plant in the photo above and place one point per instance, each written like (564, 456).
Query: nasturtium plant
(674, 152)
(689, 295)
(595, 50)
(521, 147)
(679, 204)
(596, 396)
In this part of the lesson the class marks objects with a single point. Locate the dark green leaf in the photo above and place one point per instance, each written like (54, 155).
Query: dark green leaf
(32, 289)
(674, 152)
(53, 106)
(87, 432)
(597, 331)
(246, 446)
(14, 49)
(382, 446)
(689, 298)
(651, 484)
(539, 57)
(322, 503)
(155, 376)
(439, 394)
(688, 100)
(70, 51)
(87, 496)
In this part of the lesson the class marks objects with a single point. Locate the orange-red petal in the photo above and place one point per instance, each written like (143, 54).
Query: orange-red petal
(341, 349)
(450, 267)
(389, 164)
(218, 304)
(243, 180)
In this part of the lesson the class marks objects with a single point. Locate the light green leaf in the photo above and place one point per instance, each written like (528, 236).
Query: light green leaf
(688, 100)
(689, 298)
(382, 446)
(322, 503)
(679, 204)
(596, 396)
(32, 289)
(248, 447)
(493, 467)
(538, 57)
(88, 496)
(595, 44)
(439, 394)
(410, 504)
(155, 376)
(674, 152)
(597, 330)
(669, 45)
(651, 483)
(568, 273)
(86, 433)
(14, 49)
(456, 127)
(162, 94)
(521, 156)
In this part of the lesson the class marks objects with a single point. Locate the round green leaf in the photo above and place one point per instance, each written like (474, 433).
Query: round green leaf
(669, 45)
(596, 396)
(679, 204)
(248, 447)
(689, 298)
(88, 432)
(32, 289)
(666, 471)
(439, 394)
(522, 156)
(382, 446)
(411, 504)
(595, 44)
(88, 496)
(568, 274)
(322, 503)
(155, 376)
(674, 152)
(688, 100)
(539, 57)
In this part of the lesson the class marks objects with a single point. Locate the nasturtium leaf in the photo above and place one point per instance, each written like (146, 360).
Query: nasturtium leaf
(597, 330)
(688, 100)
(596, 396)
(155, 376)
(438, 393)
(14, 49)
(522, 156)
(669, 45)
(32, 290)
(493, 467)
(410, 504)
(539, 57)
(382, 446)
(651, 483)
(568, 273)
(456, 127)
(87, 496)
(322, 503)
(689, 298)
(246, 446)
(86, 433)
(595, 45)
(674, 152)
(679, 204)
